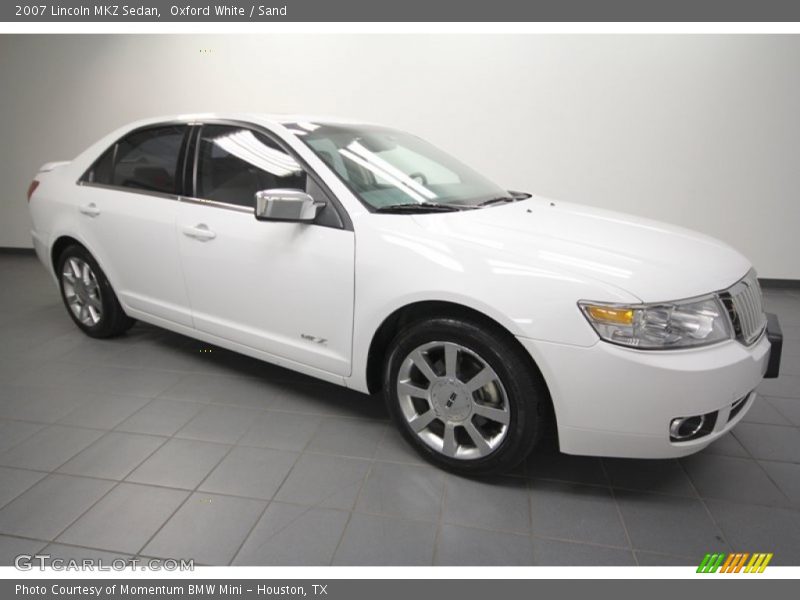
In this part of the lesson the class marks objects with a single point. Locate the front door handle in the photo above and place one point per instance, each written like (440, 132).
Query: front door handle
(199, 232)
(90, 210)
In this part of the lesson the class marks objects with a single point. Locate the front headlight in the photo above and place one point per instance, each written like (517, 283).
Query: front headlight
(684, 324)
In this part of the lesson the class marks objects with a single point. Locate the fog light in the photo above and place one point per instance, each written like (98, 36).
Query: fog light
(684, 428)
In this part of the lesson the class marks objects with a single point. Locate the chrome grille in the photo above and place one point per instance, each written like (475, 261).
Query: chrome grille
(743, 301)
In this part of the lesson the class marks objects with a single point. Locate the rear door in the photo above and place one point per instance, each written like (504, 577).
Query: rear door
(128, 209)
(280, 287)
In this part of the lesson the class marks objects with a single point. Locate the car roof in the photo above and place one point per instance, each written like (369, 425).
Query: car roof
(257, 118)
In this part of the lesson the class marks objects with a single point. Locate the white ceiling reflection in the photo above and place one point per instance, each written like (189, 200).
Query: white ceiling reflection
(244, 145)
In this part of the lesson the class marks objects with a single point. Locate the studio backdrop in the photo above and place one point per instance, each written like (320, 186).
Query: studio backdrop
(697, 130)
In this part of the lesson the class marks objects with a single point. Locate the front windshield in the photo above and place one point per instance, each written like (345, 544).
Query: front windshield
(386, 168)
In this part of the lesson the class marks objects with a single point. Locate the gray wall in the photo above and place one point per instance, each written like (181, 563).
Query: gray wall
(696, 130)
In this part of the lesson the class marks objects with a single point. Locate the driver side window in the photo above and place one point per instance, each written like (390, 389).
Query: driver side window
(235, 163)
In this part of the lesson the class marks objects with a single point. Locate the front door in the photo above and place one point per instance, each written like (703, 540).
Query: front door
(280, 287)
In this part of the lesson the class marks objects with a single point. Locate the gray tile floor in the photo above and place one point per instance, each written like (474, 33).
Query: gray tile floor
(151, 446)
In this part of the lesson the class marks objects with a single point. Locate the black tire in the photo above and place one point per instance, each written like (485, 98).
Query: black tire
(526, 395)
(112, 320)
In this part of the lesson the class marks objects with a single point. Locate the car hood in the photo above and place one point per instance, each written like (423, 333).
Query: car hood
(654, 261)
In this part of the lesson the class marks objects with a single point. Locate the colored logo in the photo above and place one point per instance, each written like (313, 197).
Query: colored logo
(736, 562)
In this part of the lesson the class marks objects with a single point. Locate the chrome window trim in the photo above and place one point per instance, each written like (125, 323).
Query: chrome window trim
(129, 190)
(216, 204)
(166, 196)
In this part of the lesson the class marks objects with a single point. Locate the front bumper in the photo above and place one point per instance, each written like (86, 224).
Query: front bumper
(615, 401)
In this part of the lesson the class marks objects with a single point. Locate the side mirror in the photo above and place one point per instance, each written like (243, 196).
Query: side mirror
(286, 205)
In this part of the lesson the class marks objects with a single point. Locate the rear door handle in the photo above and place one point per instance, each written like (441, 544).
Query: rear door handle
(199, 232)
(90, 210)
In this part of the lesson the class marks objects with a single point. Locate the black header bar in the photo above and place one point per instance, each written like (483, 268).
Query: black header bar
(402, 11)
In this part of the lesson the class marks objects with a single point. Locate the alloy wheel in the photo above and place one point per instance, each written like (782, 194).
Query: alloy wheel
(453, 400)
(82, 291)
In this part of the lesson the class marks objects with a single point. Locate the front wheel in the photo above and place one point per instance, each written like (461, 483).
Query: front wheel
(463, 395)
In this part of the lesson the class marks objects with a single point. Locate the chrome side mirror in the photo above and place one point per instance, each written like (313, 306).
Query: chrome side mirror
(286, 205)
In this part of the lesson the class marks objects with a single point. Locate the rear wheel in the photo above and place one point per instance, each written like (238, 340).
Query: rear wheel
(463, 395)
(88, 296)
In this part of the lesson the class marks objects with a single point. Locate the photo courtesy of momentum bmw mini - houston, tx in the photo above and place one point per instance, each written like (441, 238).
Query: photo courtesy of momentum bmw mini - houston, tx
(364, 256)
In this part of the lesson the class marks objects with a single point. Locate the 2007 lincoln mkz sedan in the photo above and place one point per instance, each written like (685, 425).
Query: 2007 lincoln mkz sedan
(366, 257)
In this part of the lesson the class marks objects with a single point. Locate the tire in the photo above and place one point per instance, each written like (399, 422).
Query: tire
(443, 416)
(87, 295)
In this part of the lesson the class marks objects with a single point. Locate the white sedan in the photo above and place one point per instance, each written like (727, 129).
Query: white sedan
(366, 257)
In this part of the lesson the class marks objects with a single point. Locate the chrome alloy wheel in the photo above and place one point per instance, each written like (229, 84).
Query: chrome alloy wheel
(82, 291)
(453, 400)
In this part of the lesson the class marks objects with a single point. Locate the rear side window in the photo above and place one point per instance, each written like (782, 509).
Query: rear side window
(146, 159)
(102, 169)
(234, 163)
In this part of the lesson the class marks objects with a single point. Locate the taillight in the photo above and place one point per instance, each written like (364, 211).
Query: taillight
(32, 188)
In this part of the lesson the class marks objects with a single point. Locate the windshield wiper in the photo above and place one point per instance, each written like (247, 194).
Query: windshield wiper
(497, 200)
(512, 197)
(419, 207)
